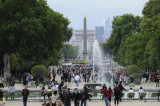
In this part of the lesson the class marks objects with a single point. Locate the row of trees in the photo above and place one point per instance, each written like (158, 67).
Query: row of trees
(32, 33)
(136, 40)
(69, 51)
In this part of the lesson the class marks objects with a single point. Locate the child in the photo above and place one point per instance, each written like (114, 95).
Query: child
(109, 96)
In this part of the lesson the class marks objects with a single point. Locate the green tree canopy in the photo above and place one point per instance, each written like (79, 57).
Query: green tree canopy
(32, 31)
(151, 29)
(123, 26)
(69, 51)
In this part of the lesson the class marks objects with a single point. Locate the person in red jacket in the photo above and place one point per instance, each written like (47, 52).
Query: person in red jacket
(102, 90)
(105, 94)
(109, 96)
(25, 93)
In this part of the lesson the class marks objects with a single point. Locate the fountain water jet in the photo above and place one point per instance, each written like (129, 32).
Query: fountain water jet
(100, 62)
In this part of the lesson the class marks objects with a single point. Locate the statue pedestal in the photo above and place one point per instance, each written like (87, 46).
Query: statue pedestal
(7, 71)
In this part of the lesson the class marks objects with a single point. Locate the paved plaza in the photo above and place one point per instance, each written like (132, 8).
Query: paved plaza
(93, 103)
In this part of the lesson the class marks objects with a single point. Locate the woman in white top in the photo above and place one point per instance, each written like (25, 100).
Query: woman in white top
(55, 97)
(141, 91)
(12, 91)
(130, 91)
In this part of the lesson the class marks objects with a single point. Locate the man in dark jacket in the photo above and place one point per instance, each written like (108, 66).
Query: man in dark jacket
(67, 98)
(121, 88)
(76, 97)
(25, 93)
(84, 97)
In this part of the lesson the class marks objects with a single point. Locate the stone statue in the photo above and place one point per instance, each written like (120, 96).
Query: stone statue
(6, 58)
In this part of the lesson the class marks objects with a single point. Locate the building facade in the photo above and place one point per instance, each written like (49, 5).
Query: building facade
(79, 39)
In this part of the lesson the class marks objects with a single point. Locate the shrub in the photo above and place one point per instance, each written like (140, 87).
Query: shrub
(132, 69)
(137, 80)
(39, 70)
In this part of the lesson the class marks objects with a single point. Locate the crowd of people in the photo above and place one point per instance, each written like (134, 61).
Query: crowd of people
(153, 77)
(77, 74)
(63, 97)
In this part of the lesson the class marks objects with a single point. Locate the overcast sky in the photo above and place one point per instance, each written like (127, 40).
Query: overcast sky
(97, 11)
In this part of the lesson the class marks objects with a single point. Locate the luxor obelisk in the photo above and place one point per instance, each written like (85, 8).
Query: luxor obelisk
(85, 39)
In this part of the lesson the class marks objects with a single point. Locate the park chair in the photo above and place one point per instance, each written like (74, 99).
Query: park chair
(123, 94)
(131, 95)
(40, 85)
(99, 96)
(33, 84)
(22, 84)
(154, 95)
(49, 92)
(131, 85)
(29, 84)
(18, 95)
(7, 95)
(142, 95)
(126, 83)
(31, 95)
(37, 95)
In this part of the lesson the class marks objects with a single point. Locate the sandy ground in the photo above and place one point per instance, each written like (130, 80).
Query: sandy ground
(93, 103)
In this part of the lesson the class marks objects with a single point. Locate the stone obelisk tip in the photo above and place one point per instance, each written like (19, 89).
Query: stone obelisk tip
(84, 15)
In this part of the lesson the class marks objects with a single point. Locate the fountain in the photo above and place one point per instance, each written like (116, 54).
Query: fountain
(97, 55)
(99, 61)
(104, 68)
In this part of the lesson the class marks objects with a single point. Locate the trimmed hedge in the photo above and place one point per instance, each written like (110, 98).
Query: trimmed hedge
(39, 70)
(132, 69)
(135, 71)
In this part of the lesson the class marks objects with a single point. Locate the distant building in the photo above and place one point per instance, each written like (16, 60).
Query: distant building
(79, 39)
(99, 32)
(107, 30)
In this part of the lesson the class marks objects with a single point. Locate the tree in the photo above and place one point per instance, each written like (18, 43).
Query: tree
(123, 26)
(151, 28)
(69, 51)
(105, 49)
(32, 31)
(132, 50)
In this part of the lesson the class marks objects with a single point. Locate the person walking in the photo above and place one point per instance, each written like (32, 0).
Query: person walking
(116, 94)
(121, 88)
(157, 78)
(77, 79)
(95, 78)
(12, 91)
(25, 93)
(2, 100)
(105, 95)
(49, 102)
(55, 97)
(84, 97)
(67, 98)
(76, 97)
(12, 80)
(158, 94)
(109, 96)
